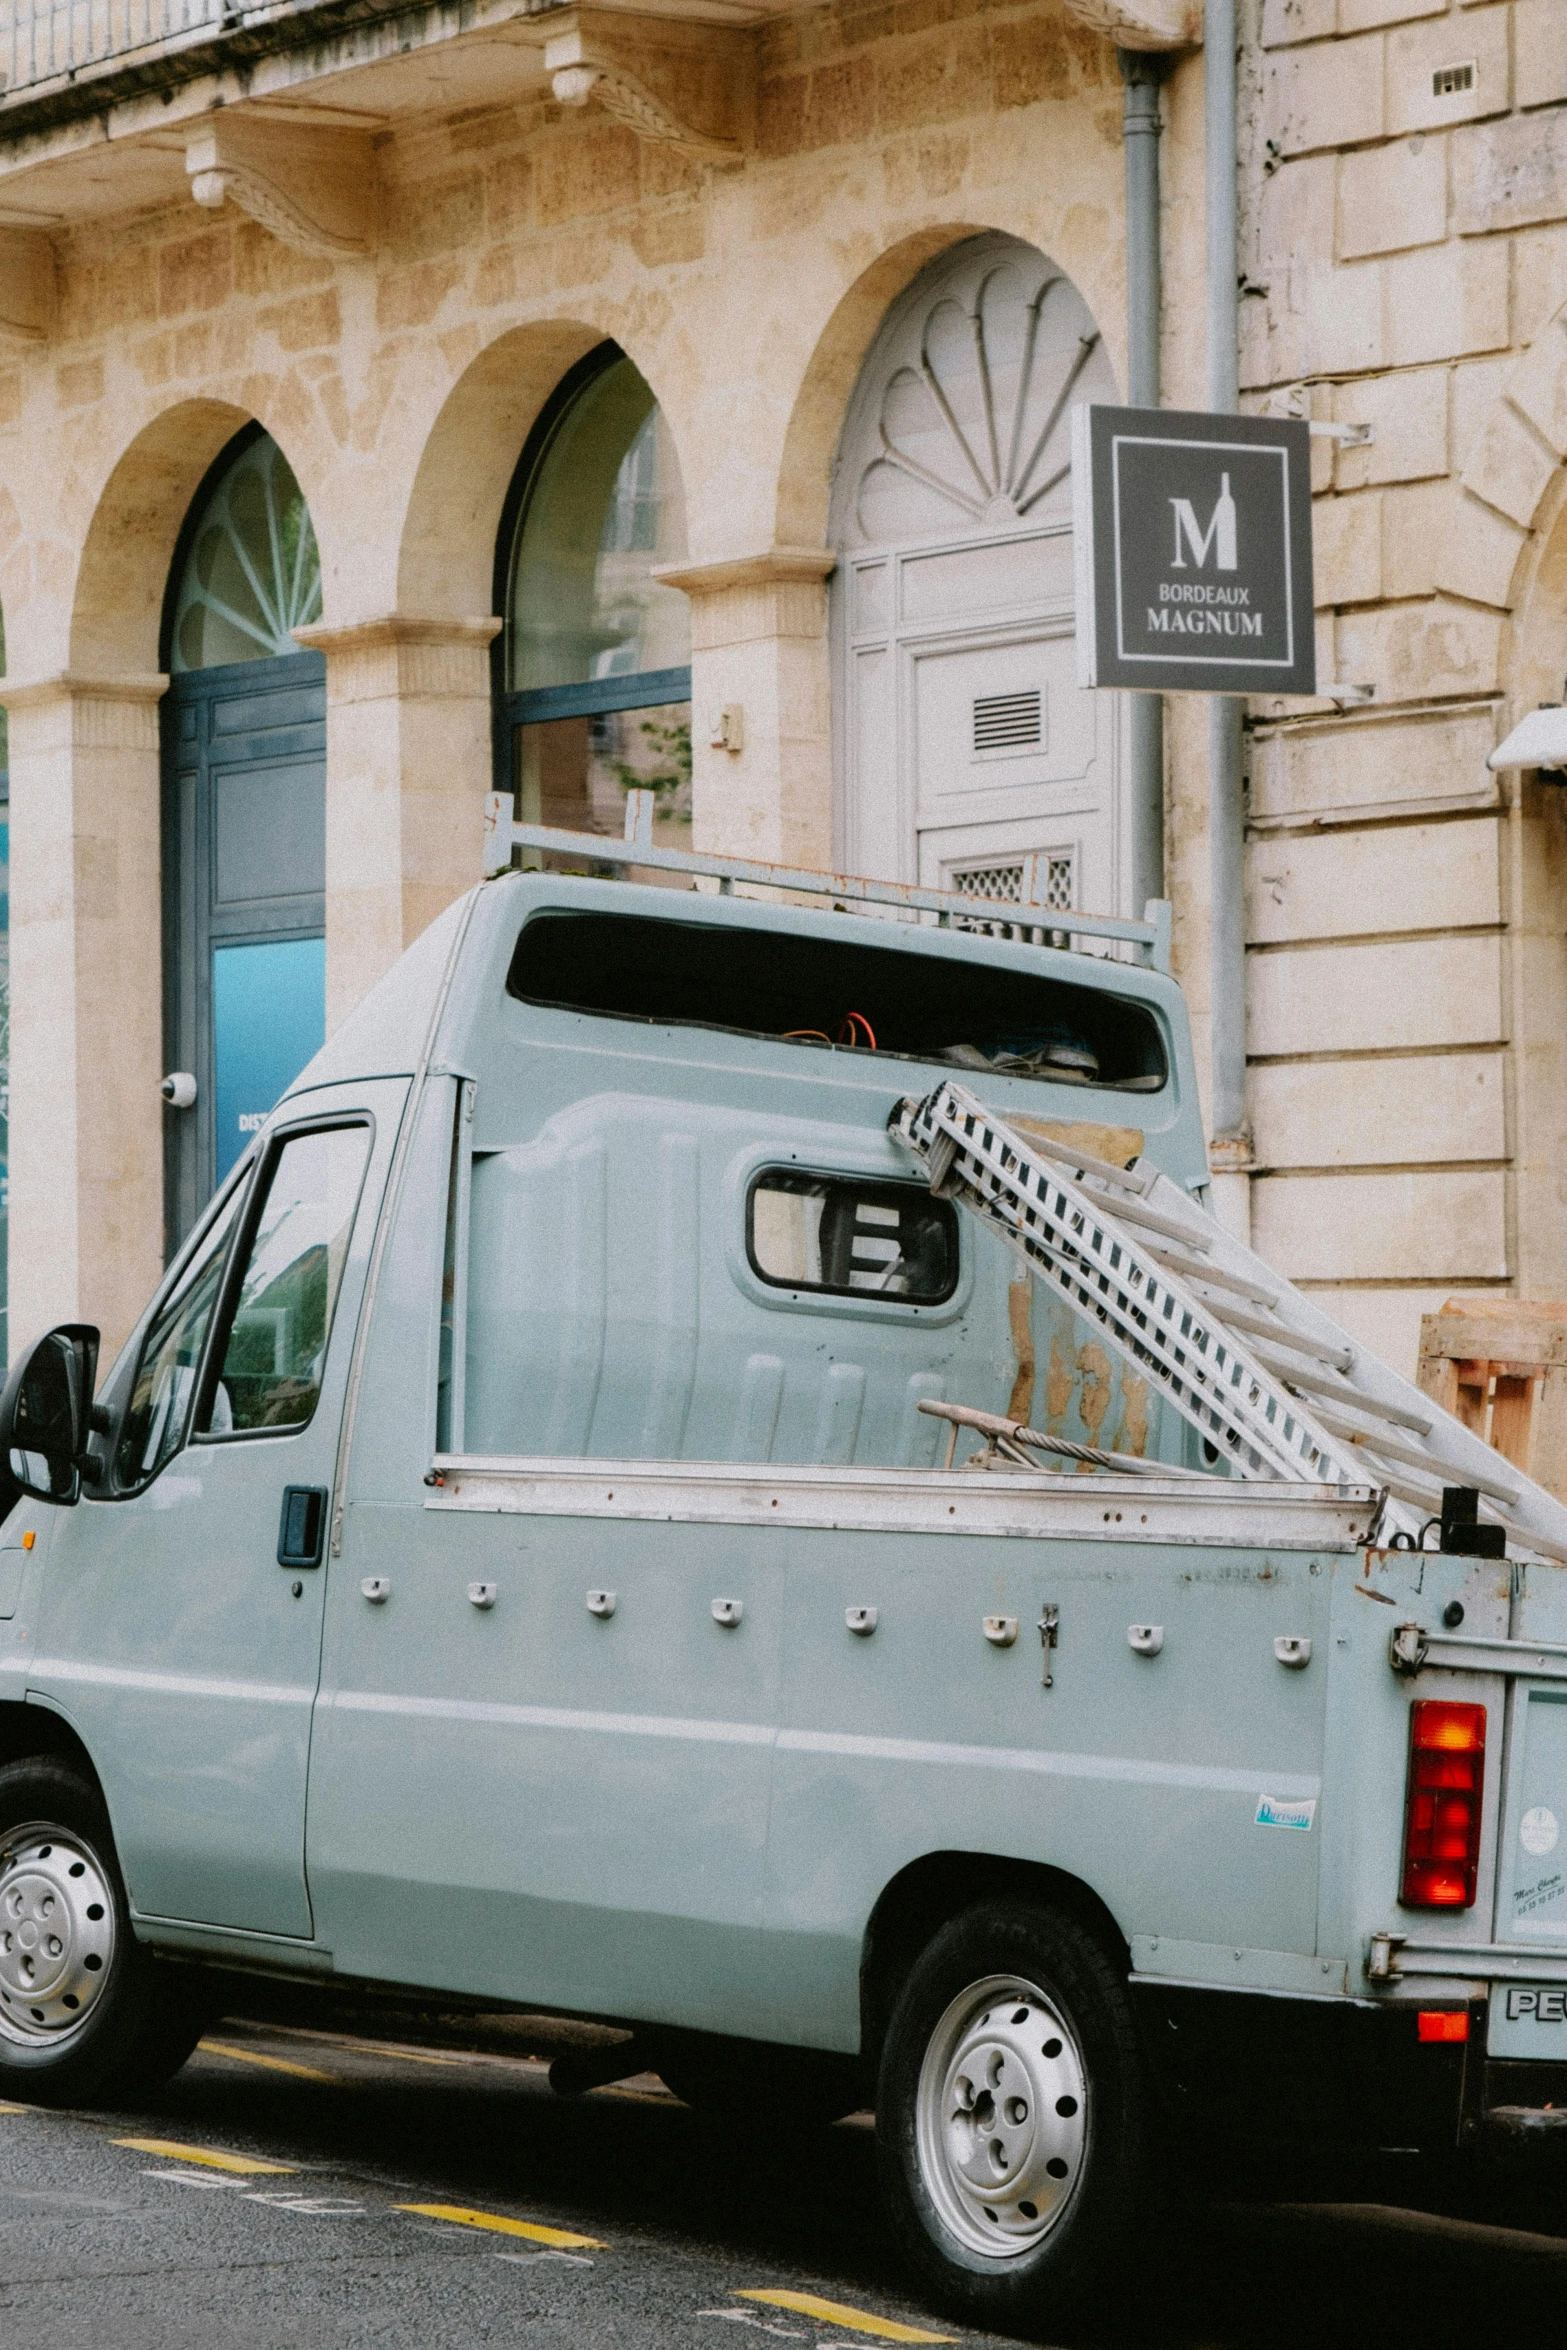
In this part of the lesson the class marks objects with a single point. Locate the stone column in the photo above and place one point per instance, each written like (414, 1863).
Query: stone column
(408, 766)
(86, 1220)
(759, 645)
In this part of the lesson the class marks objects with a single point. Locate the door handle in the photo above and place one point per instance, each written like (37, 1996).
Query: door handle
(302, 1526)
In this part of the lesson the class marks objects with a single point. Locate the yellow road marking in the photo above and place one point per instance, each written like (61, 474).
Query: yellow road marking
(273, 2064)
(15, 2109)
(403, 2055)
(838, 2313)
(561, 2238)
(245, 2164)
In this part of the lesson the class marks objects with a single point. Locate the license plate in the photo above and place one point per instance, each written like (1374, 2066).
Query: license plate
(1528, 2019)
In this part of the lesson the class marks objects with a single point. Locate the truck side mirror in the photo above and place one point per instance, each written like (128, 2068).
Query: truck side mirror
(46, 1412)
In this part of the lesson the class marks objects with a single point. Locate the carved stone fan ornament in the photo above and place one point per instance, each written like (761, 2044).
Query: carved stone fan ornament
(973, 429)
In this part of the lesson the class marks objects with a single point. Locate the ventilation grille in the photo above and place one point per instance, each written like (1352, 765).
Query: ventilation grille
(1008, 722)
(1003, 883)
(1060, 880)
(1051, 882)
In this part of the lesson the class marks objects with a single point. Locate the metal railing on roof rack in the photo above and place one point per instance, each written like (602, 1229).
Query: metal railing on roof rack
(1148, 939)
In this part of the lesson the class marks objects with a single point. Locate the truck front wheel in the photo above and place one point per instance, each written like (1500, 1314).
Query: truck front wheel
(1012, 2120)
(85, 2014)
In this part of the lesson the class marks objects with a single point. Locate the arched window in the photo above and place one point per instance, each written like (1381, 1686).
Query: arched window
(967, 757)
(244, 812)
(252, 573)
(595, 692)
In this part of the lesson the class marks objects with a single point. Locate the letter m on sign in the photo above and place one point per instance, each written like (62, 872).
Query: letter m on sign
(1218, 539)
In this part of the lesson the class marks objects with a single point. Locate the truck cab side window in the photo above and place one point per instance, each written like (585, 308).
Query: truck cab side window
(852, 1238)
(155, 1422)
(276, 1343)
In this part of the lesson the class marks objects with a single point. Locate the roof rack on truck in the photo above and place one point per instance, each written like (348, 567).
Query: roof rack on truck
(1272, 1384)
(1034, 923)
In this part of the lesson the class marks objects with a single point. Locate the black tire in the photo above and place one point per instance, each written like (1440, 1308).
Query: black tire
(86, 2015)
(1013, 2124)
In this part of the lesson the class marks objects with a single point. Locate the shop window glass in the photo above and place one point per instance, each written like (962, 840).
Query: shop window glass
(597, 649)
(253, 573)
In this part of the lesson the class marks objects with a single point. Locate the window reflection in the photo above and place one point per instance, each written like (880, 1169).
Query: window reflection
(575, 772)
(154, 1426)
(605, 508)
(272, 1363)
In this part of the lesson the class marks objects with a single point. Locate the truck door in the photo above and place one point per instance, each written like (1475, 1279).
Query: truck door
(541, 1758)
(173, 1639)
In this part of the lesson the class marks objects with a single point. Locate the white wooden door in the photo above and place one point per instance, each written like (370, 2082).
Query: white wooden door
(966, 753)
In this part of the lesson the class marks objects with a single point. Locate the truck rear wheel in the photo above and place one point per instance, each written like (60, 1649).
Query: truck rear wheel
(85, 2013)
(1012, 2121)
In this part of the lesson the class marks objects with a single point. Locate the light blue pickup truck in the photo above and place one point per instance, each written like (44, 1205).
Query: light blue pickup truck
(710, 1470)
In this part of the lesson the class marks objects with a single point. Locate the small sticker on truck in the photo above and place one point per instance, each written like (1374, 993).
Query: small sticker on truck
(1279, 1811)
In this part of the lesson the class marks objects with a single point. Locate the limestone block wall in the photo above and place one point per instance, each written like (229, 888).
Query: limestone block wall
(1405, 265)
(401, 387)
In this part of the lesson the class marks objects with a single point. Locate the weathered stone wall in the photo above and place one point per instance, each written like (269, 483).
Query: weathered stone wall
(401, 388)
(1406, 260)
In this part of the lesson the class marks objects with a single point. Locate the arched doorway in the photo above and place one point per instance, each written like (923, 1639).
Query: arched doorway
(594, 687)
(967, 757)
(244, 813)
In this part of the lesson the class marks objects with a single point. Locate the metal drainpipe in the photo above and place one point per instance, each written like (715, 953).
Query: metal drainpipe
(1142, 72)
(1231, 1153)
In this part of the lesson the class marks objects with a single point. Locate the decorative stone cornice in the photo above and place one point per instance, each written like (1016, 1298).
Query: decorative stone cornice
(1143, 24)
(311, 189)
(681, 85)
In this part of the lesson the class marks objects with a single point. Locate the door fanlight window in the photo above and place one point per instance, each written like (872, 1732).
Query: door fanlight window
(253, 571)
(963, 742)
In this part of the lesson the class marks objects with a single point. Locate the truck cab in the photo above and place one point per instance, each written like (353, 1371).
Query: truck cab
(541, 1546)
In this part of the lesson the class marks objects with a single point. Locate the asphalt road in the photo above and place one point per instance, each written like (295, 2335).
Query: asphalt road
(295, 2190)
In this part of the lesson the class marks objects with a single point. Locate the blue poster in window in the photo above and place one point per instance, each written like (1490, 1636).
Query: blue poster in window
(268, 1020)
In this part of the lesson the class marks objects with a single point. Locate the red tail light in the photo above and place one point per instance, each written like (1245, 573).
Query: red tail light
(1442, 1804)
(1443, 2023)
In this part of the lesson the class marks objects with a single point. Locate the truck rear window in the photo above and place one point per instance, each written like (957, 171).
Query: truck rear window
(837, 993)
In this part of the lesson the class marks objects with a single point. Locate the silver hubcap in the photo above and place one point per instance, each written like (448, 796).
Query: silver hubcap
(56, 1933)
(1001, 2119)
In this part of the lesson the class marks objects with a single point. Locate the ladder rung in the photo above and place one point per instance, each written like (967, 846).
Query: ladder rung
(1215, 1276)
(1338, 1358)
(1445, 1472)
(1123, 1178)
(1136, 1211)
(1395, 1413)
(1238, 1352)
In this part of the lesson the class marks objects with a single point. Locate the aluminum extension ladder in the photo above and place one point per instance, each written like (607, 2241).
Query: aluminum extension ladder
(1272, 1383)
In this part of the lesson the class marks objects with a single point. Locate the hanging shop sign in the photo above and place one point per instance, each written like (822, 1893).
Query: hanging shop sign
(1193, 551)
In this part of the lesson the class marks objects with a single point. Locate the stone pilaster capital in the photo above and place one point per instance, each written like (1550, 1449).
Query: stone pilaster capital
(773, 567)
(71, 685)
(395, 628)
(402, 657)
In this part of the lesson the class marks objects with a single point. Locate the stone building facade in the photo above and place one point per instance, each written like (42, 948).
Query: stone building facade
(858, 259)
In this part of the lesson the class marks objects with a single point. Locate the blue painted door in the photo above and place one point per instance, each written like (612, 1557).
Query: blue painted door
(244, 878)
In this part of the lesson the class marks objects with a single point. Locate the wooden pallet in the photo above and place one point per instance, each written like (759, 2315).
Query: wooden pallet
(1500, 1365)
